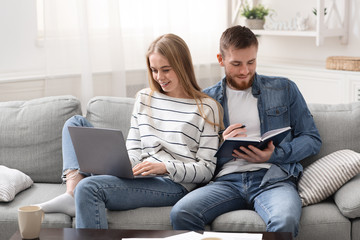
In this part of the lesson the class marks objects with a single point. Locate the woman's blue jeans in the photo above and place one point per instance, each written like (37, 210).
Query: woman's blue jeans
(95, 194)
(278, 204)
(70, 161)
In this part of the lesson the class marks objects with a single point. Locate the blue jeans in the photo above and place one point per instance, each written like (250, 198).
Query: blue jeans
(70, 161)
(96, 193)
(278, 204)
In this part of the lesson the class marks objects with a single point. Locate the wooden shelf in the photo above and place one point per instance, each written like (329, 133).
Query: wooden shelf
(322, 29)
(285, 33)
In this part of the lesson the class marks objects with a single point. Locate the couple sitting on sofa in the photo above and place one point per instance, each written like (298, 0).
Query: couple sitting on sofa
(174, 131)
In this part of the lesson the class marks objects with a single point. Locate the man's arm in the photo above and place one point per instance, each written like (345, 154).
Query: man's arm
(305, 140)
(305, 136)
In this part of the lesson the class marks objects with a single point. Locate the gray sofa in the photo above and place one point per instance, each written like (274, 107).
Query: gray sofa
(30, 141)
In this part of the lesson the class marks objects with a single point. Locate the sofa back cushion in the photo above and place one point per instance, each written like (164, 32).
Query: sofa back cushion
(111, 112)
(339, 127)
(30, 135)
(338, 124)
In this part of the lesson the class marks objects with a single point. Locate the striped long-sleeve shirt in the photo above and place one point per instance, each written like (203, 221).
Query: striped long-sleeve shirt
(172, 131)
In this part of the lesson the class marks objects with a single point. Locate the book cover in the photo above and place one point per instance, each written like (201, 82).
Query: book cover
(276, 135)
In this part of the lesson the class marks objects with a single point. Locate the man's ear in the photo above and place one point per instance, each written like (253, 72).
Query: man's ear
(220, 59)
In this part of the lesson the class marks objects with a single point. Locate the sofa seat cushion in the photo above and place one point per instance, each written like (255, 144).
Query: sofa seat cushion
(239, 221)
(37, 193)
(323, 221)
(347, 198)
(12, 181)
(30, 138)
(141, 218)
(355, 229)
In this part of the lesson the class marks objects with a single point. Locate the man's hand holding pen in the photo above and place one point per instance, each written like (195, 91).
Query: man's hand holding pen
(235, 130)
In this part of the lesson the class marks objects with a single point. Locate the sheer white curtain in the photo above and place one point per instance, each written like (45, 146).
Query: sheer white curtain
(99, 46)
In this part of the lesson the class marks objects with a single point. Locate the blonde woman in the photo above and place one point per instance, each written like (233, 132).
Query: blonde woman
(174, 132)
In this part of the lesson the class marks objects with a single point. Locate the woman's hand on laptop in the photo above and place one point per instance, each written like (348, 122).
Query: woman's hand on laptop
(148, 168)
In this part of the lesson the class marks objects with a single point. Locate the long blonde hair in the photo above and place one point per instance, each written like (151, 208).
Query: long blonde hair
(176, 51)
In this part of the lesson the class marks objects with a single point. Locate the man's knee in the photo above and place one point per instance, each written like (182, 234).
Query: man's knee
(176, 216)
(85, 188)
(285, 222)
(186, 218)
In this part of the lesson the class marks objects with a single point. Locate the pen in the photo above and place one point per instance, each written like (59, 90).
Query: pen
(243, 126)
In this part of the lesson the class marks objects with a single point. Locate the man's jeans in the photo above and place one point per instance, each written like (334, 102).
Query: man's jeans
(96, 193)
(278, 204)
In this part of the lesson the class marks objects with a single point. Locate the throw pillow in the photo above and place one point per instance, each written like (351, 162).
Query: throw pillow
(325, 176)
(12, 181)
(347, 198)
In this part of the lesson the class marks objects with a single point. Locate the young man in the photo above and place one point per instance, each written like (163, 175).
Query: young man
(262, 180)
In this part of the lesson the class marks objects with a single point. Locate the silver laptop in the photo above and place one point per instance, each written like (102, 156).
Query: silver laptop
(102, 151)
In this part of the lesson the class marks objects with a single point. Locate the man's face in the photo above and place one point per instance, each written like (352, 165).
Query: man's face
(240, 66)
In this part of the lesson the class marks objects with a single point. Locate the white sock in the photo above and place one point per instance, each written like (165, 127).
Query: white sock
(65, 203)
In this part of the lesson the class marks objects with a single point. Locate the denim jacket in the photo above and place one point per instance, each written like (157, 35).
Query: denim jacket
(280, 104)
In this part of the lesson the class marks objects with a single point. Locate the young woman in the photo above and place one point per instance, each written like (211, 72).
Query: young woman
(174, 132)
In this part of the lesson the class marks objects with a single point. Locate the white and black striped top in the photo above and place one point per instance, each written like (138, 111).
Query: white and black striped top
(172, 131)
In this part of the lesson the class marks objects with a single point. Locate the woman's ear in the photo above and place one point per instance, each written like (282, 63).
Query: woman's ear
(220, 59)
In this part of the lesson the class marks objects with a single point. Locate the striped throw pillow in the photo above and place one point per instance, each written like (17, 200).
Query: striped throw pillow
(12, 181)
(324, 177)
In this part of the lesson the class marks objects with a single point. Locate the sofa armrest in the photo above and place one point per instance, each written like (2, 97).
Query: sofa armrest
(347, 198)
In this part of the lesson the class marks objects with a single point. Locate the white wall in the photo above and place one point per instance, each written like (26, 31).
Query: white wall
(23, 68)
(21, 57)
(18, 38)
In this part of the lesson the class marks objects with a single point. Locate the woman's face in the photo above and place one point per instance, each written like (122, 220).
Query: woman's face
(163, 74)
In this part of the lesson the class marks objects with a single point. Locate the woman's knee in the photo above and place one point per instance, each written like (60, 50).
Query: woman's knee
(76, 120)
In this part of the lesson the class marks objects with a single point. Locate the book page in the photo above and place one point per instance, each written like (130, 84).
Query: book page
(274, 132)
(188, 236)
(247, 139)
(198, 236)
(233, 236)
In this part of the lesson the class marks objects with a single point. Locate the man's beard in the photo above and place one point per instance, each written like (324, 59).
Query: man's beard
(244, 85)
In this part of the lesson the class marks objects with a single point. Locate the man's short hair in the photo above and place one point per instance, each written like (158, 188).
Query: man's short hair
(239, 37)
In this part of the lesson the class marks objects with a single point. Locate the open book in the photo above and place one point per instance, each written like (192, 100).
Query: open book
(276, 135)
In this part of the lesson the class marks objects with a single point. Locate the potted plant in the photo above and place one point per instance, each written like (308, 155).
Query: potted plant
(315, 11)
(255, 16)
